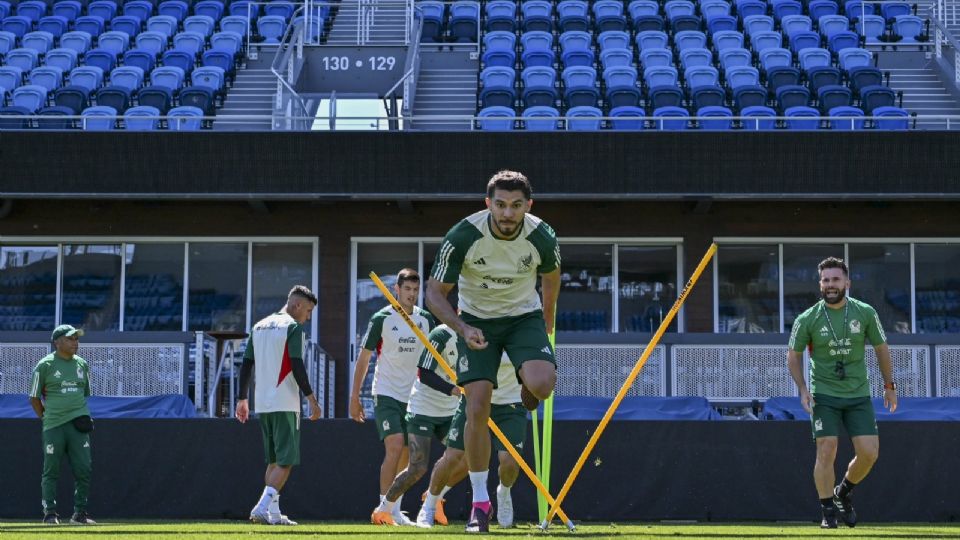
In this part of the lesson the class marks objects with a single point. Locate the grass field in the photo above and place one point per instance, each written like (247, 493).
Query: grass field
(234, 530)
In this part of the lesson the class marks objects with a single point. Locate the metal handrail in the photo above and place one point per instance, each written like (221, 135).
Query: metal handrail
(228, 351)
(284, 51)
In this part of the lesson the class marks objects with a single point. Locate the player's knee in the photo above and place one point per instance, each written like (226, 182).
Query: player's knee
(869, 454)
(543, 387)
(393, 447)
(826, 449)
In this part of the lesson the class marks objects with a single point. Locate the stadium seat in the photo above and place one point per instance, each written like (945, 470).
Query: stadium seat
(651, 57)
(8, 42)
(239, 24)
(89, 77)
(178, 58)
(184, 118)
(792, 96)
(819, 8)
(189, 42)
(221, 59)
(804, 40)
(762, 41)
(823, 76)
(741, 76)
(38, 41)
(891, 118)
(539, 86)
(689, 39)
(499, 49)
(16, 25)
(782, 76)
(540, 118)
(54, 118)
(129, 77)
(863, 77)
(855, 8)
(695, 58)
(464, 21)
(832, 24)
(723, 117)
(537, 16)
(872, 97)
(159, 97)
(749, 96)
(91, 24)
(104, 9)
(584, 119)
(537, 49)
(127, 24)
(851, 58)
(708, 96)
(701, 76)
(812, 57)
(757, 23)
(791, 24)
(846, 118)
(719, 23)
(99, 118)
(49, 77)
(29, 96)
(660, 76)
(174, 8)
(727, 39)
(10, 77)
(214, 9)
(760, 118)
(55, 25)
(103, 59)
(140, 9)
(211, 77)
(908, 28)
(68, 9)
(627, 118)
(665, 96)
(169, 77)
(227, 41)
(775, 57)
(871, 27)
(832, 96)
(623, 96)
(141, 118)
(140, 58)
(802, 118)
(891, 10)
(11, 118)
(575, 49)
(784, 8)
(496, 118)
(117, 97)
(843, 40)
(615, 58)
(573, 15)
(714, 8)
(114, 41)
(746, 8)
(31, 9)
(77, 41)
(279, 8)
(501, 15)
(271, 28)
(651, 39)
(199, 97)
(25, 59)
(63, 58)
(608, 15)
(663, 116)
(613, 39)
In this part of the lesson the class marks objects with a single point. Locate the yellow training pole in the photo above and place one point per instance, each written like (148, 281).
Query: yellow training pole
(453, 376)
(627, 383)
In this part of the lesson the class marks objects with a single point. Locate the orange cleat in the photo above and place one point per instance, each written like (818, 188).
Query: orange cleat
(381, 518)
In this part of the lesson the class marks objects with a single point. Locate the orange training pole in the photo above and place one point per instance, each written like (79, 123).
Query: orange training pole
(627, 383)
(453, 376)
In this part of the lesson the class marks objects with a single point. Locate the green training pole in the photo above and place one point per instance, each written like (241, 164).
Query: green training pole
(547, 433)
(541, 501)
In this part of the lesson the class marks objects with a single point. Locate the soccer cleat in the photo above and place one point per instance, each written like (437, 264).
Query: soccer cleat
(282, 520)
(381, 518)
(438, 514)
(260, 516)
(530, 401)
(829, 518)
(845, 506)
(504, 508)
(426, 517)
(401, 519)
(479, 520)
(51, 519)
(82, 518)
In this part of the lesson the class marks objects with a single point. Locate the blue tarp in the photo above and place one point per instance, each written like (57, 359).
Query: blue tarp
(908, 408)
(169, 406)
(635, 408)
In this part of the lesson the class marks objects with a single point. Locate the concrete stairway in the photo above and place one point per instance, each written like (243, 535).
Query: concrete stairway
(446, 85)
(252, 93)
(387, 22)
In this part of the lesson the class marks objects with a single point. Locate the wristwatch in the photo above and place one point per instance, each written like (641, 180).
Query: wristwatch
(890, 386)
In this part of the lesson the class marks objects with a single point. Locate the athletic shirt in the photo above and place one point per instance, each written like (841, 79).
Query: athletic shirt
(845, 342)
(272, 343)
(398, 350)
(425, 400)
(496, 278)
(64, 386)
(507, 391)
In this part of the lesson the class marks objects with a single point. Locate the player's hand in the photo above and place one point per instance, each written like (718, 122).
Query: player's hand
(243, 411)
(890, 399)
(806, 399)
(474, 338)
(456, 391)
(315, 411)
(356, 409)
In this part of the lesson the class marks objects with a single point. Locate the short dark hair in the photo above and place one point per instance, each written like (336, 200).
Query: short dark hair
(509, 181)
(304, 292)
(407, 274)
(833, 262)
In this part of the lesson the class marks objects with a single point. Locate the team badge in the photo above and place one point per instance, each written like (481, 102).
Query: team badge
(524, 264)
(818, 424)
(49, 448)
(463, 365)
(854, 326)
(386, 425)
(79, 372)
(453, 434)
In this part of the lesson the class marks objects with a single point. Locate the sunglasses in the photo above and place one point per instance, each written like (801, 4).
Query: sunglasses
(839, 370)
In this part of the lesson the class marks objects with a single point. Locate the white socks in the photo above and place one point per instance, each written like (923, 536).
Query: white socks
(267, 497)
(390, 507)
(431, 501)
(395, 506)
(478, 480)
(503, 490)
(275, 506)
(445, 490)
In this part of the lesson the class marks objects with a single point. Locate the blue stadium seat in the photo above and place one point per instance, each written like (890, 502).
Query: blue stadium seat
(665, 96)
(698, 76)
(614, 39)
(540, 118)
(855, 8)
(271, 28)
(8, 41)
(646, 23)
(891, 118)
(49, 77)
(496, 118)
(871, 27)
(104, 9)
(761, 41)
(31, 9)
(663, 116)
(88, 77)
(169, 77)
(763, 115)
(854, 57)
(78, 41)
(908, 28)
(783, 8)
(214, 9)
(846, 118)
(714, 8)
(10, 77)
(117, 97)
(708, 96)
(643, 8)
(819, 8)
(29, 96)
(38, 41)
(655, 57)
(141, 118)
(791, 24)
(141, 58)
(114, 41)
(575, 49)
(823, 76)
(872, 97)
(501, 15)
(138, 8)
(180, 59)
(891, 10)
(676, 8)
(719, 23)
(843, 40)
(623, 96)
(190, 42)
(184, 118)
(103, 59)
(238, 23)
(153, 42)
(499, 49)
(91, 24)
(616, 57)
(831, 24)
(695, 57)
(127, 24)
(537, 15)
(211, 77)
(539, 86)
(221, 59)
(792, 96)
(723, 117)
(727, 39)
(68, 9)
(159, 97)
(660, 76)
(279, 8)
(740, 76)
(618, 76)
(54, 118)
(749, 96)
(681, 23)
(757, 23)
(746, 8)
(10, 118)
(608, 15)
(537, 49)
(63, 58)
(464, 21)
(99, 118)
(832, 96)
(129, 77)
(802, 118)
(782, 76)
(651, 39)
(199, 97)
(812, 57)
(25, 59)
(174, 8)
(688, 39)
(54, 24)
(625, 118)
(17, 25)
(863, 77)
(804, 40)
(730, 58)
(584, 119)
(573, 15)
(230, 42)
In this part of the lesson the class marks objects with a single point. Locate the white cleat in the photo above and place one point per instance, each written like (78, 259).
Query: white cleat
(425, 518)
(281, 520)
(260, 516)
(401, 519)
(504, 508)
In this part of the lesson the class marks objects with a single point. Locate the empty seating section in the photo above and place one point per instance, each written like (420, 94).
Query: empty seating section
(669, 60)
(134, 58)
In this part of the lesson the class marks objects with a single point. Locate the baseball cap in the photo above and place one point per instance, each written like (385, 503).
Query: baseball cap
(65, 330)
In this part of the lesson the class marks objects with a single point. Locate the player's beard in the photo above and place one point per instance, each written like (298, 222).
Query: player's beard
(832, 298)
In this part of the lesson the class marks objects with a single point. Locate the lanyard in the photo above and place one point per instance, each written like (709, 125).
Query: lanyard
(846, 311)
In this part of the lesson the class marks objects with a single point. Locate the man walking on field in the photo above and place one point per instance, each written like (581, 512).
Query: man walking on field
(494, 257)
(836, 329)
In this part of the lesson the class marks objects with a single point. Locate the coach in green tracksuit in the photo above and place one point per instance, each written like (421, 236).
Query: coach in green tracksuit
(61, 385)
(836, 330)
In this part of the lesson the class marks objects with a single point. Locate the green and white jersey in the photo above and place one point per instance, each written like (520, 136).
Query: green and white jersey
(496, 278)
(425, 400)
(272, 343)
(64, 386)
(842, 337)
(398, 350)
(507, 391)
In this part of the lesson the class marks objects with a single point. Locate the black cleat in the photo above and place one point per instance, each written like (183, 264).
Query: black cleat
(530, 401)
(829, 518)
(845, 506)
(82, 518)
(51, 519)
(479, 520)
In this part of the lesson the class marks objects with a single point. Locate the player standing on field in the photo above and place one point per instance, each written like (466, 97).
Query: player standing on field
(275, 348)
(432, 404)
(837, 329)
(494, 257)
(398, 351)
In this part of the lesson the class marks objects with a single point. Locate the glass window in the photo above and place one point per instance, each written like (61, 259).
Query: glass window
(154, 287)
(586, 281)
(218, 286)
(938, 288)
(28, 288)
(748, 284)
(276, 269)
(386, 259)
(648, 287)
(801, 280)
(91, 286)
(880, 276)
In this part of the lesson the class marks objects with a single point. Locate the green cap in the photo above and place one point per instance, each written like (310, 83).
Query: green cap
(65, 330)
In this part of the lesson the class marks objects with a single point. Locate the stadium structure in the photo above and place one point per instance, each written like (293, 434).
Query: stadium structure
(170, 169)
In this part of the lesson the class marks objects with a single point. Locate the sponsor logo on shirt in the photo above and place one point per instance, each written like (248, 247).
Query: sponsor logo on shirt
(480, 262)
(824, 331)
(499, 280)
(56, 374)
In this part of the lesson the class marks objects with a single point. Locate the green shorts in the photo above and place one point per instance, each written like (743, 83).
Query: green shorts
(281, 437)
(523, 337)
(830, 412)
(511, 419)
(390, 416)
(428, 426)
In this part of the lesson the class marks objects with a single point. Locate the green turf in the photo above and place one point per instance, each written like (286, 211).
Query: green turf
(192, 530)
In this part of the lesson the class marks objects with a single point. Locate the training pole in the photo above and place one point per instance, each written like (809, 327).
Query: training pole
(453, 376)
(541, 502)
(548, 423)
(629, 382)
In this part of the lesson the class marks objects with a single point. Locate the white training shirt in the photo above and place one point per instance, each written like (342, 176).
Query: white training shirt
(398, 350)
(272, 343)
(425, 400)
